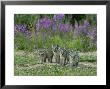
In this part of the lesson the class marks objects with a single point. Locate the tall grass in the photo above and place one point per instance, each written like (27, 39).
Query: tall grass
(78, 44)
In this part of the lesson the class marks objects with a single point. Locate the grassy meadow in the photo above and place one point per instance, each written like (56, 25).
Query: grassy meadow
(28, 65)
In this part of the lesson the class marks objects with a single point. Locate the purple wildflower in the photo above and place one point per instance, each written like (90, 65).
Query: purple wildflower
(47, 23)
(94, 28)
(83, 29)
(38, 25)
(22, 29)
(86, 23)
(44, 23)
(58, 17)
(64, 27)
(54, 26)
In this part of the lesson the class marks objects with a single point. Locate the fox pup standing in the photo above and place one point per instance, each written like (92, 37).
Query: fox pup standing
(56, 55)
(44, 55)
(73, 59)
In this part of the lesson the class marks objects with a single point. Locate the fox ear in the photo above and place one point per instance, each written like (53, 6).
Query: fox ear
(59, 48)
(57, 45)
(64, 47)
(52, 45)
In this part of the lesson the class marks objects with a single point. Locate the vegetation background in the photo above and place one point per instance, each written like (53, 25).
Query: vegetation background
(76, 32)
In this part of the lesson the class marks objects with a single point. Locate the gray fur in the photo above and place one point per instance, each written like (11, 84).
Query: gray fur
(45, 54)
(63, 56)
(73, 58)
(56, 55)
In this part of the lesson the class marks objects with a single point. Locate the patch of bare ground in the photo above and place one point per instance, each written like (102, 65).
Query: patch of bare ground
(87, 64)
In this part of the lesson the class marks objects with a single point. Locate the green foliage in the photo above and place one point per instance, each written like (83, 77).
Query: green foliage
(23, 43)
(78, 44)
(78, 17)
(63, 39)
(92, 18)
(39, 42)
(75, 44)
(24, 60)
(27, 19)
(54, 71)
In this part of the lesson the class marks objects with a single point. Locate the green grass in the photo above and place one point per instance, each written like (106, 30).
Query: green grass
(26, 64)
(54, 70)
(40, 41)
(89, 57)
